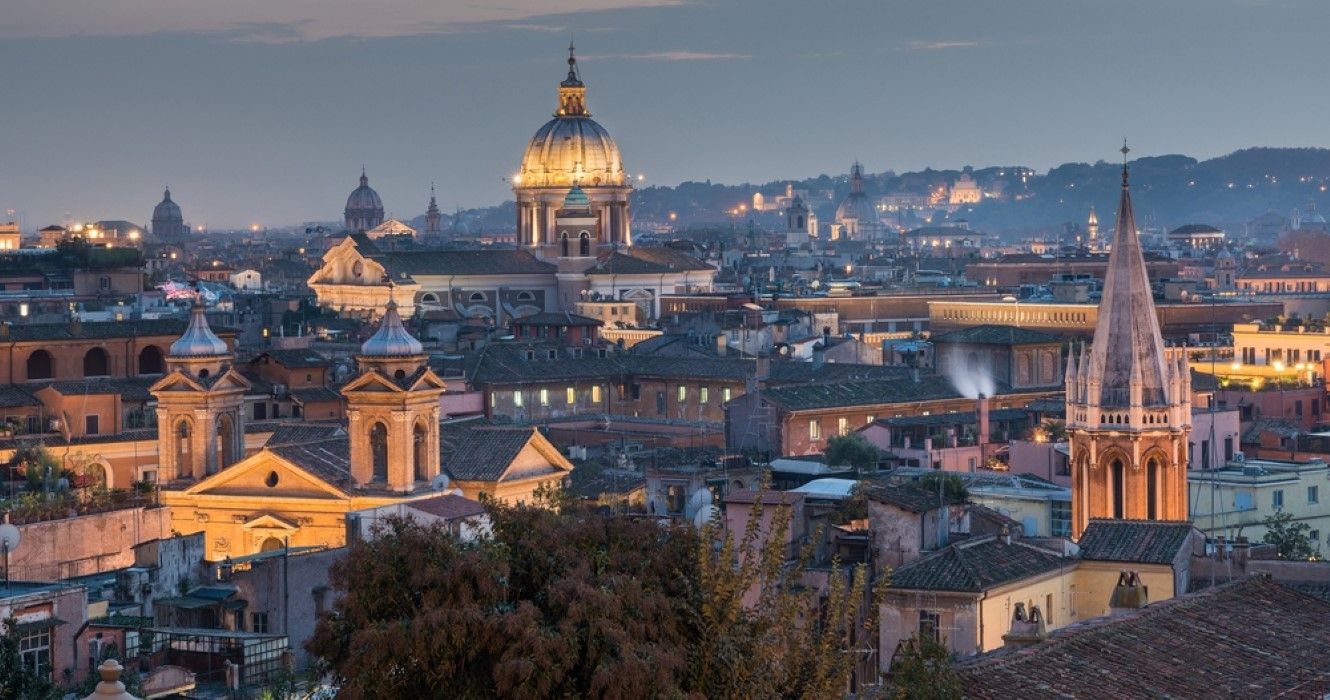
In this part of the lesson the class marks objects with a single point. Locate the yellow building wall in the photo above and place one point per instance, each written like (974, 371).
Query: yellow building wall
(1095, 582)
(998, 607)
(1019, 509)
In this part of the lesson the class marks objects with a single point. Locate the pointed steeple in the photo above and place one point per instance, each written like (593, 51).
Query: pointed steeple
(432, 215)
(364, 179)
(856, 178)
(1128, 347)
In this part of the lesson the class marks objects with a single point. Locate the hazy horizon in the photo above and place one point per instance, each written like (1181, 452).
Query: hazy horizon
(255, 114)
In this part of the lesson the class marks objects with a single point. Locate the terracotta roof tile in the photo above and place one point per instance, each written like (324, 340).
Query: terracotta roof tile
(1140, 541)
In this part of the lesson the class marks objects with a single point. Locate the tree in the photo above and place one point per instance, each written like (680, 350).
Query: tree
(921, 670)
(1291, 539)
(566, 602)
(953, 488)
(854, 450)
(19, 681)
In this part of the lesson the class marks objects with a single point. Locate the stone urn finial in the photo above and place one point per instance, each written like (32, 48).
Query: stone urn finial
(110, 688)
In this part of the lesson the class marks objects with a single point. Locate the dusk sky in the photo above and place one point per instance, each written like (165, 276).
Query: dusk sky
(253, 113)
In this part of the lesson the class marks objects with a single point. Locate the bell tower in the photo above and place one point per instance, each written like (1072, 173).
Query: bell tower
(1128, 399)
(393, 410)
(200, 405)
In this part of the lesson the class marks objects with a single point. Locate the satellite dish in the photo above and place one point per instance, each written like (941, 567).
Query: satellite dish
(439, 483)
(9, 537)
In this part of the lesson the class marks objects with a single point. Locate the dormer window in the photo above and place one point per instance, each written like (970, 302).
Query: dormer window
(530, 355)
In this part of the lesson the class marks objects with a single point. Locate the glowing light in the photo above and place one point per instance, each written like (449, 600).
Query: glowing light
(254, 227)
(516, 179)
(1236, 366)
(1279, 366)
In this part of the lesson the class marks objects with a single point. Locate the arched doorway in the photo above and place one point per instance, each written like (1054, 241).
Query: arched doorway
(1116, 474)
(378, 447)
(150, 360)
(272, 544)
(225, 442)
(40, 365)
(96, 363)
(420, 443)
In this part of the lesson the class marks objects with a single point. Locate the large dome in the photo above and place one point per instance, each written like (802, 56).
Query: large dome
(364, 197)
(167, 210)
(857, 206)
(571, 148)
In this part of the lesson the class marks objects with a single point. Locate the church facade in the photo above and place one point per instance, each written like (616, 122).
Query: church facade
(1128, 400)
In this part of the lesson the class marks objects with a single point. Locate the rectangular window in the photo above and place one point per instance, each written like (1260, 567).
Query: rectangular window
(258, 622)
(1313, 494)
(869, 420)
(90, 425)
(517, 398)
(1297, 408)
(660, 403)
(1060, 512)
(814, 430)
(842, 426)
(929, 622)
(34, 649)
(572, 396)
(725, 394)
(260, 411)
(1205, 454)
(544, 397)
(683, 394)
(1242, 500)
(1277, 499)
(703, 394)
(1228, 449)
(493, 399)
(595, 394)
(1048, 610)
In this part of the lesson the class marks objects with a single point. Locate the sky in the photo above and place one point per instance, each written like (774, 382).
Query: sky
(263, 111)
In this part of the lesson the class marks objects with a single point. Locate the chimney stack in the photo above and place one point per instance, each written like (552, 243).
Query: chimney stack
(1025, 631)
(1129, 595)
(983, 428)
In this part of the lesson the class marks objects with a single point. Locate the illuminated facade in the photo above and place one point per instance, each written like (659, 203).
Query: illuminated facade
(1128, 402)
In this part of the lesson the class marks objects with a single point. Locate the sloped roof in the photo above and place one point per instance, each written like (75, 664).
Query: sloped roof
(14, 396)
(463, 262)
(292, 359)
(976, 566)
(448, 507)
(1136, 541)
(328, 459)
(171, 328)
(811, 396)
(303, 433)
(994, 334)
(131, 390)
(552, 318)
(1251, 639)
(482, 453)
(906, 497)
(643, 260)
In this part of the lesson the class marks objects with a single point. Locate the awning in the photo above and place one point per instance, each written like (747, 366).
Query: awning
(38, 625)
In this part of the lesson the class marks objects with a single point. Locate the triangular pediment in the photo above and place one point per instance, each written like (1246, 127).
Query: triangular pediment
(371, 382)
(268, 521)
(178, 382)
(428, 380)
(266, 474)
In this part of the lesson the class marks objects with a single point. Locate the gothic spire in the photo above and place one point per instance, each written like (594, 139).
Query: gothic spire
(1128, 349)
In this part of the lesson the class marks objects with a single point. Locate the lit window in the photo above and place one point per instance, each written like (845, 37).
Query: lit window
(517, 399)
(595, 394)
(572, 396)
(869, 420)
(702, 394)
(544, 397)
(842, 425)
(814, 430)
(725, 394)
(683, 394)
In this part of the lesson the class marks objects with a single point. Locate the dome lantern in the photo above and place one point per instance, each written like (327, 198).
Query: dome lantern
(391, 339)
(198, 340)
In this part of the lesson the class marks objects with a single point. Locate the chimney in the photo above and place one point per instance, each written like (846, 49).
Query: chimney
(1006, 536)
(1025, 632)
(826, 336)
(1129, 595)
(819, 354)
(983, 428)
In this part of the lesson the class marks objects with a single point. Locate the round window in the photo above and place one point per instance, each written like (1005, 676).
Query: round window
(272, 479)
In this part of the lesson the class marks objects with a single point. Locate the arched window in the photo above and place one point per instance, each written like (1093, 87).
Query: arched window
(378, 447)
(225, 441)
(563, 243)
(1152, 489)
(150, 360)
(184, 449)
(429, 298)
(40, 365)
(420, 443)
(272, 544)
(526, 296)
(1116, 474)
(584, 244)
(477, 296)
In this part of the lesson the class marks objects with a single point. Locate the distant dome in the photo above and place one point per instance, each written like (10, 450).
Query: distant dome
(364, 209)
(167, 210)
(857, 206)
(198, 339)
(167, 219)
(392, 338)
(571, 148)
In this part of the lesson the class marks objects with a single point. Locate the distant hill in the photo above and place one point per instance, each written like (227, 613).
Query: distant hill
(1167, 191)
